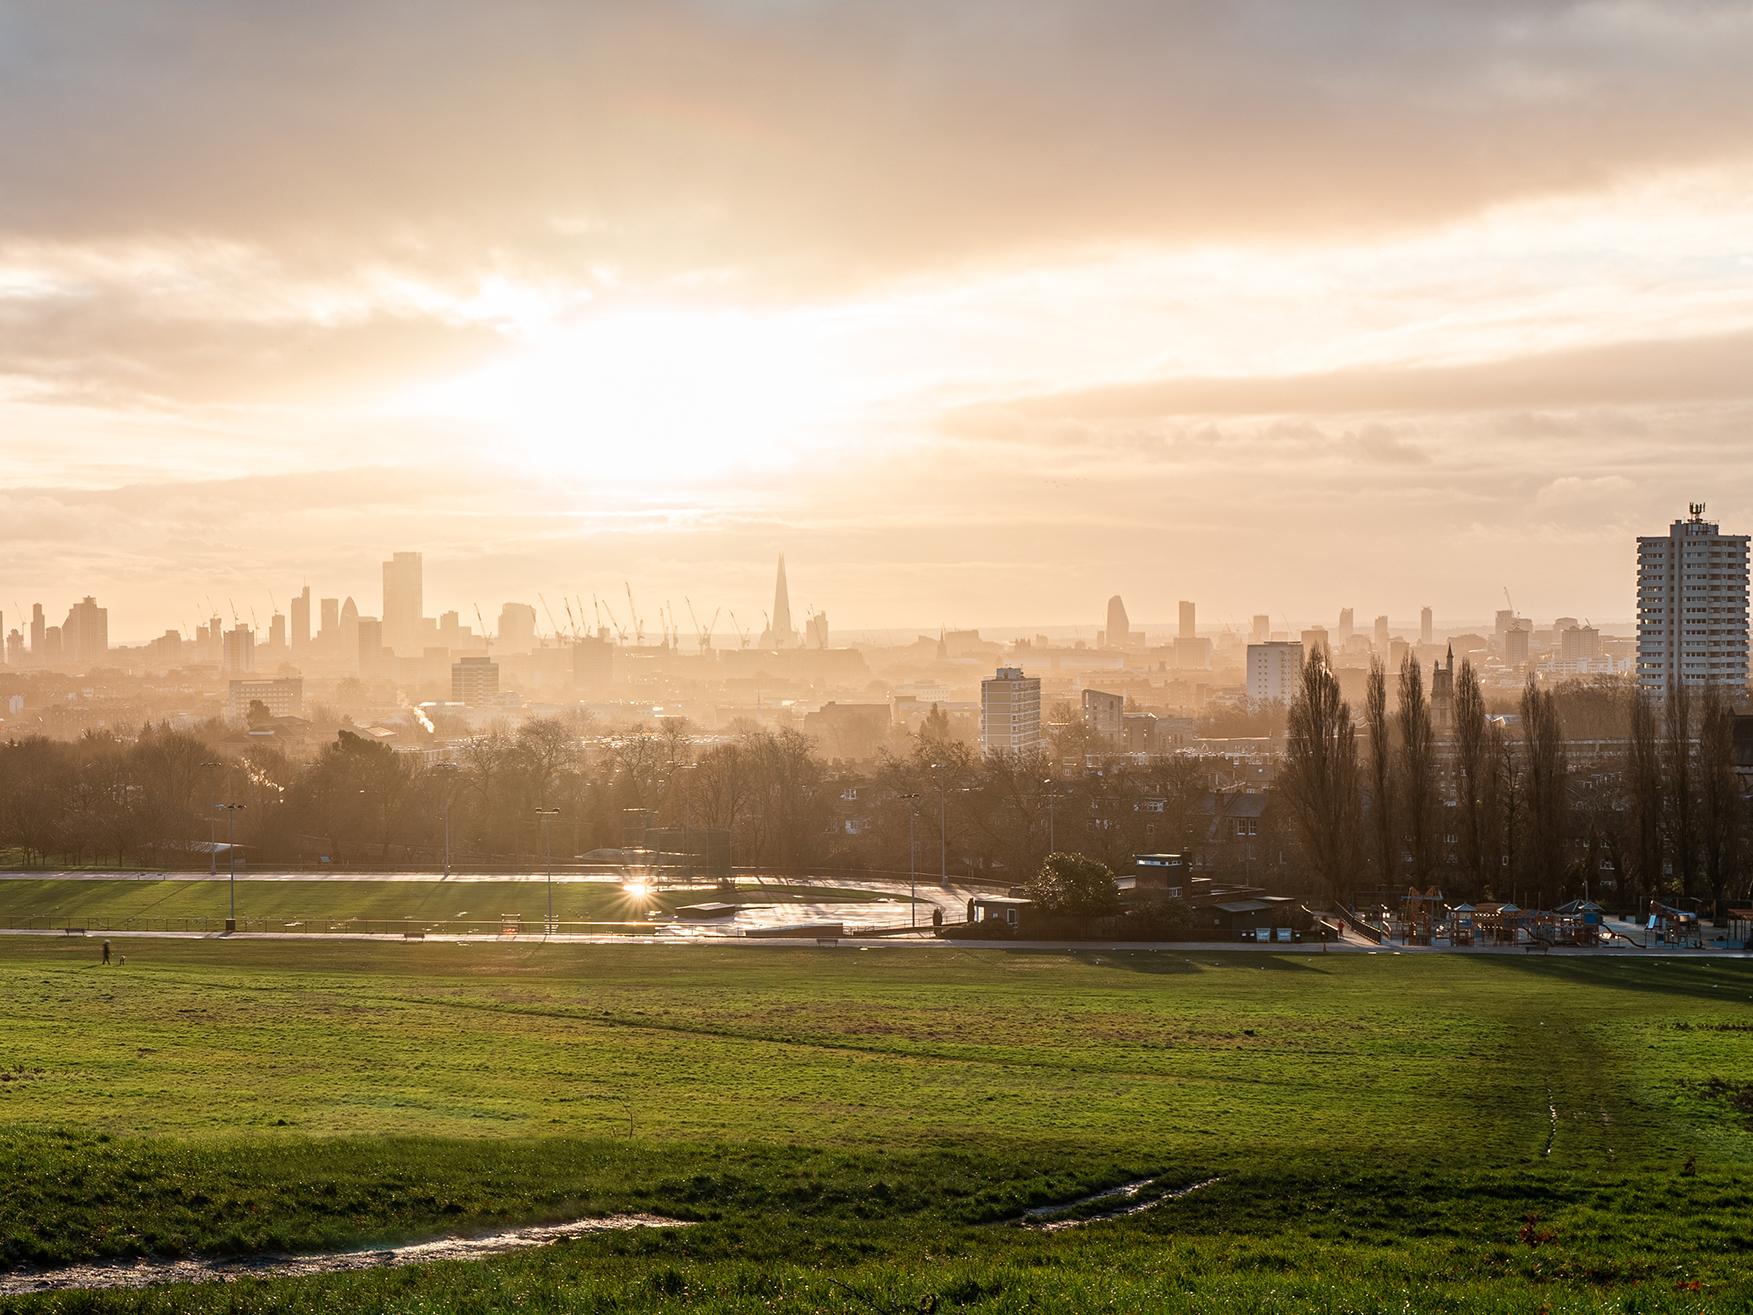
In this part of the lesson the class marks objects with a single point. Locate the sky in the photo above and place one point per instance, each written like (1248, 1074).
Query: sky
(978, 311)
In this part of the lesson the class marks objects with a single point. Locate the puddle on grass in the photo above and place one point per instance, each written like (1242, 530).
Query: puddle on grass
(1125, 1200)
(150, 1273)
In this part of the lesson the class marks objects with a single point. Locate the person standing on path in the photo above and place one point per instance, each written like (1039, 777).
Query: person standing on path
(106, 951)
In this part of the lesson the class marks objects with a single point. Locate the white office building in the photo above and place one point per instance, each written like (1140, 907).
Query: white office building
(1010, 712)
(1273, 671)
(1692, 606)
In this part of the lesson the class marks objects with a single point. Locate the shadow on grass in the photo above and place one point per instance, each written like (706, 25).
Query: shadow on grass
(1726, 982)
(1183, 962)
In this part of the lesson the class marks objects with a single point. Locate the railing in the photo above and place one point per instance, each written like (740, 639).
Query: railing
(1369, 931)
(408, 928)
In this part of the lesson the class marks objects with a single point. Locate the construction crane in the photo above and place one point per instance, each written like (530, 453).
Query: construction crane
(552, 623)
(705, 632)
(620, 630)
(571, 624)
(742, 635)
(633, 615)
(1509, 600)
(486, 639)
(596, 606)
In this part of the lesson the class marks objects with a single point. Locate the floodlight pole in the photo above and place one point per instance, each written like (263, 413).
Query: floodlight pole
(213, 835)
(231, 811)
(542, 816)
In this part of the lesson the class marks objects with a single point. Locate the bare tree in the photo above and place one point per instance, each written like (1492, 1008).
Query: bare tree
(545, 748)
(1417, 771)
(1719, 794)
(1543, 748)
(1682, 792)
(1508, 804)
(1376, 724)
(1472, 765)
(1646, 800)
(1320, 776)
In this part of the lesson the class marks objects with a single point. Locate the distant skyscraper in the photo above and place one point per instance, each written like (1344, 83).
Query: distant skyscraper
(85, 636)
(277, 634)
(372, 650)
(779, 631)
(37, 629)
(1426, 626)
(1188, 630)
(1010, 713)
(240, 651)
(815, 630)
(1315, 637)
(1382, 636)
(1506, 622)
(1119, 632)
(330, 630)
(347, 633)
(1262, 628)
(1347, 625)
(1692, 606)
(517, 629)
(474, 681)
(1515, 645)
(403, 602)
(300, 636)
(1273, 671)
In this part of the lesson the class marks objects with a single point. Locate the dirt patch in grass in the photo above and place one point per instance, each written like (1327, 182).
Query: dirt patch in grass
(1738, 1096)
(151, 1273)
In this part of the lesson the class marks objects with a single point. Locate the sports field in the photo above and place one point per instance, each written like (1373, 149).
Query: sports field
(160, 902)
(859, 1130)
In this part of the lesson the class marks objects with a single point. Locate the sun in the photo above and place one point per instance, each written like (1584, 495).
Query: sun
(658, 393)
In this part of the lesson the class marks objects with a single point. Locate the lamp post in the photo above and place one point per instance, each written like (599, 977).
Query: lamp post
(912, 861)
(943, 827)
(231, 811)
(1052, 799)
(542, 816)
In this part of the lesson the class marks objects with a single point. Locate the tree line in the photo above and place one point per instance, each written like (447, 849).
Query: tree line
(1499, 808)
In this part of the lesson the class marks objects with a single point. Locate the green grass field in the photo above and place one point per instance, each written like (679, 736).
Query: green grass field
(160, 903)
(856, 1130)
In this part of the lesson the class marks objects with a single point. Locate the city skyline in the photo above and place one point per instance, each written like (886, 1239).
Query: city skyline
(1467, 289)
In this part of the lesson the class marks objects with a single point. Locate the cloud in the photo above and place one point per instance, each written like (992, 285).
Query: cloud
(831, 142)
(120, 350)
(1703, 369)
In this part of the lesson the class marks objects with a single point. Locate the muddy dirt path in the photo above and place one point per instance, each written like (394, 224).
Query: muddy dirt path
(149, 1273)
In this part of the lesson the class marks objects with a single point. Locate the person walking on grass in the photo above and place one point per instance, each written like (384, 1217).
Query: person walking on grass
(106, 951)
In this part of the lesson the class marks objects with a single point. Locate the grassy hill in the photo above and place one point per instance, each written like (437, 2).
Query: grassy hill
(859, 1130)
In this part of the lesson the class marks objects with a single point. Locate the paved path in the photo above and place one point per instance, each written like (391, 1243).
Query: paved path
(924, 940)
